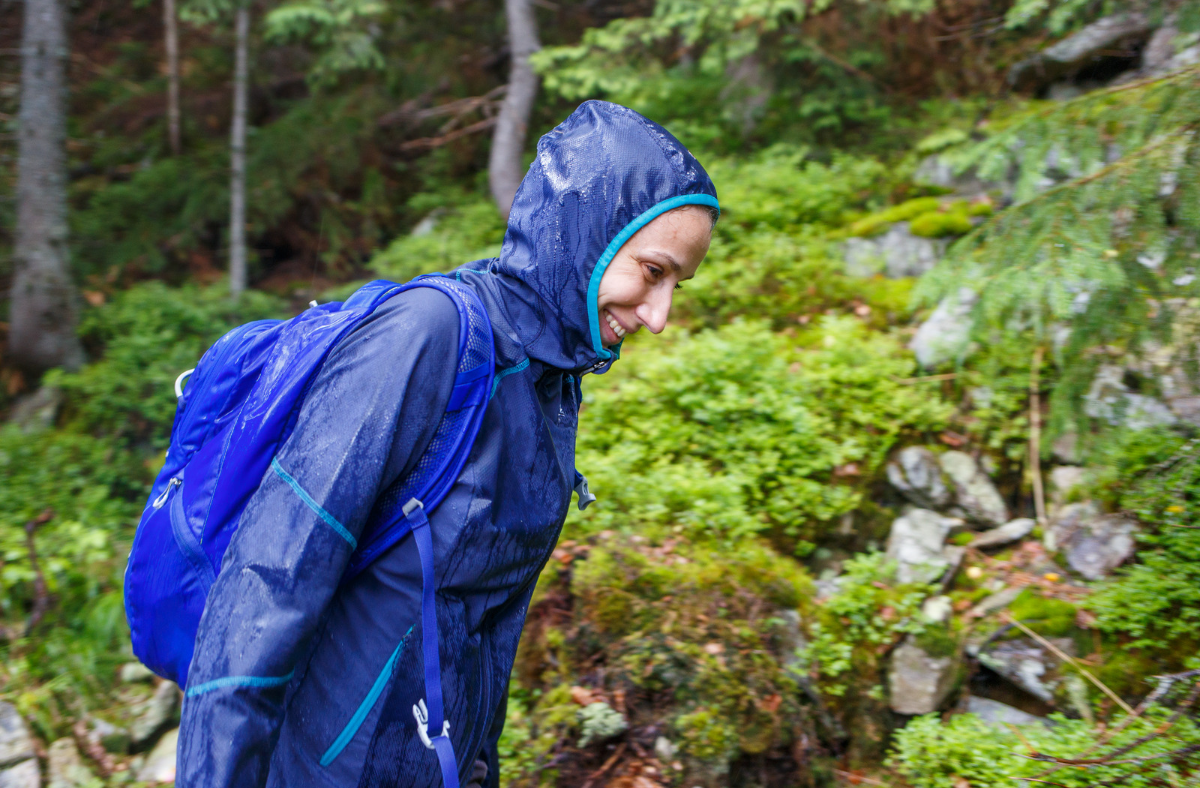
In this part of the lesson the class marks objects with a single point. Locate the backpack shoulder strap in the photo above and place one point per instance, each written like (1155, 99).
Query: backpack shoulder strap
(444, 457)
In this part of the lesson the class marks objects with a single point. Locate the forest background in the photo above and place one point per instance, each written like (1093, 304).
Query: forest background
(907, 494)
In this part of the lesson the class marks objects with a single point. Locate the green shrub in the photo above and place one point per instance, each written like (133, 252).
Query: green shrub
(87, 493)
(866, 616)
(145, 337)
(468, 230)
(779, 188)
(1154, 605)
(702, 645)
(783, 277)
(929, 753)
(731, 432)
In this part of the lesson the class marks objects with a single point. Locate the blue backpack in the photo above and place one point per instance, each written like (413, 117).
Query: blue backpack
(240, 405)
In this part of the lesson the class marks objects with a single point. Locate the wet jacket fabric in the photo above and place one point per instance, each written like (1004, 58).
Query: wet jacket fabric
(301, 679)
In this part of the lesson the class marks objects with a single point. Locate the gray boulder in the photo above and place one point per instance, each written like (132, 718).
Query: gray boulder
(1103, 545)
(134, 672)
(917, 682)
(976, 495)
(24, 775)
(1064, 480)
(1067, 58)
(159, 766)
(1008, 533)
(897, 253)
(1095, 544)
(1029, 665)
(916, 543)
(1069, 519)
(155, 715)
(1167, 50)
(65, 768)
(946, 334)
(16, 745)
(1109, 399)
(1000, 715)
(102, 733)
(917, 474)
(937, 609)
(37, 410)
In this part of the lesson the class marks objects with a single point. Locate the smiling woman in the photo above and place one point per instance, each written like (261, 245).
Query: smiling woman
(636, 288)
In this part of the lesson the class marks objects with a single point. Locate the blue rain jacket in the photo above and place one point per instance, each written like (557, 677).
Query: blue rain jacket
(301, 679)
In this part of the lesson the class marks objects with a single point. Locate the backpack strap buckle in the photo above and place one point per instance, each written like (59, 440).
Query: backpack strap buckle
(422, 716)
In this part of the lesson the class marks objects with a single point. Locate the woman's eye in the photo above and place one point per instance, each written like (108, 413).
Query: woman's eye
(654, 272)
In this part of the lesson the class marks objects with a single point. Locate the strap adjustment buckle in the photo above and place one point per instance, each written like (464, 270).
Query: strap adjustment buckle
(422, 716)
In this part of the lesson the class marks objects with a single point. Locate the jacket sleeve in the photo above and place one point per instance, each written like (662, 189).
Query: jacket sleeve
(369, 415)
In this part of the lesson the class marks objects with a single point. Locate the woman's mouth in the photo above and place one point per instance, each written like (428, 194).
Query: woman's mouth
(614, 325)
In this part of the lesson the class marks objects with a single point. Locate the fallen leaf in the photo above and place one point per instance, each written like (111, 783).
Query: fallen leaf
(583, 696)
(952, 439)
(770, 704)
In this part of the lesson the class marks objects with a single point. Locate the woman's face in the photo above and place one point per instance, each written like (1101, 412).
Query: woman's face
(637, 286)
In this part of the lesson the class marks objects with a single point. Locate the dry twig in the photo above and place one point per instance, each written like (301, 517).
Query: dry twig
(41, 596)
(1008, 617)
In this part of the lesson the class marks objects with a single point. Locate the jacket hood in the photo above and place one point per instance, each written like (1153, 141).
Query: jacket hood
(598, 178)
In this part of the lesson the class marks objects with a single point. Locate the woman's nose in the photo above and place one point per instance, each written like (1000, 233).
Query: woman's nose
(654, 310)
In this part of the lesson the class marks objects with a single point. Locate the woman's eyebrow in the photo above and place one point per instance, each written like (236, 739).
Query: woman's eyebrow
(665, 257)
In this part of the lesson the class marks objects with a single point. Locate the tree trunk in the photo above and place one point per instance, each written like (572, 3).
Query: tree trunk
(504, 167)
(171, 30)
(237, 157)
(43, 308)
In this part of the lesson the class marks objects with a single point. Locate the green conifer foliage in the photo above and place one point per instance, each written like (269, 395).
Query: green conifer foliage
(1100, 247)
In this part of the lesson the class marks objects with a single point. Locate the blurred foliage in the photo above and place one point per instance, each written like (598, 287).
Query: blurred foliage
(755, 63)
(684, 634)
(751, 441)
(930, 753)
(146, 336)
(738, 431)
(1099, 249)
(68, 504)
(456, 227)
(71, 494)
(867, 614)
(1154, 605)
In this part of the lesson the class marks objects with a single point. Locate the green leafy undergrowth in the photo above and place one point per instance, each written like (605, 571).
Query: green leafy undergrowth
(452, 232)
(786, 278)
(732, 432)
(930, 753)
(68, 506)
(1153, 606)
(867, 615)
(144, 338)
(673, 636)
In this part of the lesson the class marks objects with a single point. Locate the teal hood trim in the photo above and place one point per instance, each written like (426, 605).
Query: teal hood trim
(615, 245)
